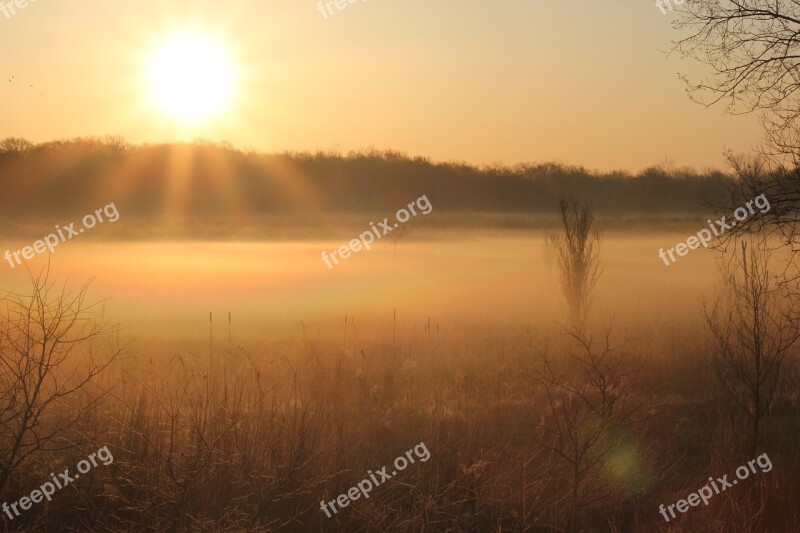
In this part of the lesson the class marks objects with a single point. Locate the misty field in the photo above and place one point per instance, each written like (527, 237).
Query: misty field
(411, 267)
(498, 277)
(454, 339)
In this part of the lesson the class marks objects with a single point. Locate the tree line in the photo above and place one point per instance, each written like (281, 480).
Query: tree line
(64, 177)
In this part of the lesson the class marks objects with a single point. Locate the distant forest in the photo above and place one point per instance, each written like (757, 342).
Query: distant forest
(206, 179)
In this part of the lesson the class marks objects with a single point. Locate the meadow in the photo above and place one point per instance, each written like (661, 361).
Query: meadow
(247, 421)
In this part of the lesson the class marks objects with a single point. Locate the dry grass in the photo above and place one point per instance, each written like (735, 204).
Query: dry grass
(241, 441)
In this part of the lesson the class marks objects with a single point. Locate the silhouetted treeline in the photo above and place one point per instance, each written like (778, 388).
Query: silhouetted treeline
(80, 175)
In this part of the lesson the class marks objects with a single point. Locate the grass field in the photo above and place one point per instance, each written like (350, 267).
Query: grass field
(325, 374)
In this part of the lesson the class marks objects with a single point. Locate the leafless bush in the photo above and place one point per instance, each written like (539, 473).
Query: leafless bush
(591, 405)
(753, 328)
(51, 350)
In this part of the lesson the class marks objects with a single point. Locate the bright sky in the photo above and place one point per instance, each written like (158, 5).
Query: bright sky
(577, 81)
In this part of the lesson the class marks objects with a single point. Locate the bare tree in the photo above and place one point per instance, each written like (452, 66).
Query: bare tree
(752, 49)
(51, 350)
(753, 330)
(577, 253)
(15, 145)
(779, 224)
(590, 405)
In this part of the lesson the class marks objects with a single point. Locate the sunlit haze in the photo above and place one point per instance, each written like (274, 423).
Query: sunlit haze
(584, 83)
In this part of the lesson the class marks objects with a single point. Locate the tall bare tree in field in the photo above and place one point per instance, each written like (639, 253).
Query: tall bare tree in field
(577, 254)
(51, 351)
(753, 329)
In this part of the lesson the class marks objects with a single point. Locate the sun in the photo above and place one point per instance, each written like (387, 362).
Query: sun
(191, 78)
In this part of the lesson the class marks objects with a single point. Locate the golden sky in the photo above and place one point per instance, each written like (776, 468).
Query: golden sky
(577, 81)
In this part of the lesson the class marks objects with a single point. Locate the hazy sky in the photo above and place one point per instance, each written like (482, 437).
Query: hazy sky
(504, 81)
